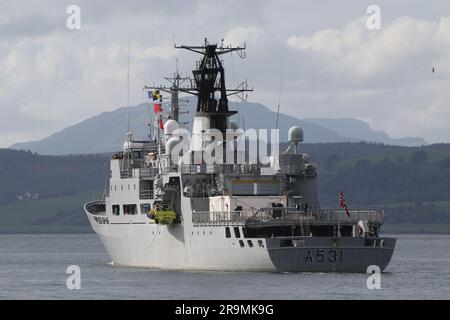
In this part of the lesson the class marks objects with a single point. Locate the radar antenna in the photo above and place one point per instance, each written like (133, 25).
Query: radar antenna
(176, 81)
(209, 77)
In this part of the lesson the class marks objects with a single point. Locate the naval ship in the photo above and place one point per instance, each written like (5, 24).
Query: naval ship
(230, 215)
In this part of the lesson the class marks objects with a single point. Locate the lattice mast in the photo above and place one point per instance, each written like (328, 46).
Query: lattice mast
(209, 83)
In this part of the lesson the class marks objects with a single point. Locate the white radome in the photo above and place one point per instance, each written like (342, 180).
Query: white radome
(295, 134)
(170, 126)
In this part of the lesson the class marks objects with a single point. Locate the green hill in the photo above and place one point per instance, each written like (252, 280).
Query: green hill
(412, 184)
(26, 175)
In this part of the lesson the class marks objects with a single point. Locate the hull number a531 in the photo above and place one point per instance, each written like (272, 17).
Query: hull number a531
(324, 255)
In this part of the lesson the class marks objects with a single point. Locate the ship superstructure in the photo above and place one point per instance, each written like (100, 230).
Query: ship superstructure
(238, 213)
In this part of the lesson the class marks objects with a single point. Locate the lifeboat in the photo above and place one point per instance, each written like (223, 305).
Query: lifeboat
(163, 216)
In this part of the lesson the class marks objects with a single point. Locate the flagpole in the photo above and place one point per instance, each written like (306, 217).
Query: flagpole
(128, 88)
(159, 135)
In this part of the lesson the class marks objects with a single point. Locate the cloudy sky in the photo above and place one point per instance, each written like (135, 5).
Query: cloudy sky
(332, 65)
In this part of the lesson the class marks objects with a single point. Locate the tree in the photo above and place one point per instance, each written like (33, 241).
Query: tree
(331, 161)
(363, 163)
(400, 159)
(418, 157)
(445, 164)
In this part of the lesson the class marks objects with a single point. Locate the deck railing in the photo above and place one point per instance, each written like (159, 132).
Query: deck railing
(370, 215)
(224, 168)
(219, 218)
(146, 194)
(287, 215)
(146, 172)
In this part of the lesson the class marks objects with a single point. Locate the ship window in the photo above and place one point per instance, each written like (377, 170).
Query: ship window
(129, 209)
(115, 188)
(260, 243)
(145, 208)
(250, 243)
(137, 154)
(227, 232)
(121, 187)
(237, 234)
(116, 210)
(241, 243)
(128, 187)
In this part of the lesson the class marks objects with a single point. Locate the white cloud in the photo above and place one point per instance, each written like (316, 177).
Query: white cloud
(4, 18)
(237, 36)
(162, 52)
(357, 51)
(51, 77)
(387, 74)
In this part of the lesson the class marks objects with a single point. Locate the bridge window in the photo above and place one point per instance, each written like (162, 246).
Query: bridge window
(250, 243)
(137, 154)
(241, 243)
(129, 209)
(146, 189)
(237, 234)
(145, 208)
(227, 232)
(116, 210)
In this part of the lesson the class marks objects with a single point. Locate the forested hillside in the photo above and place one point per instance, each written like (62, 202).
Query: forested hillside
(412, 184)
(26, 175)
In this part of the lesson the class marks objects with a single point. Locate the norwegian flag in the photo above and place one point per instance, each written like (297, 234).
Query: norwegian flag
(343, 205)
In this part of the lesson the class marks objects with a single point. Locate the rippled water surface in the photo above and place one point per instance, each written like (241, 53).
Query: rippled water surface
(34, 267)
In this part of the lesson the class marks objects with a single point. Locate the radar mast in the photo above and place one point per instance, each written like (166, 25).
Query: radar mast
(209, 83)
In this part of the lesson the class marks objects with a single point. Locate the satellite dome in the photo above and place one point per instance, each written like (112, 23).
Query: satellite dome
(170, 126)
(295, 134)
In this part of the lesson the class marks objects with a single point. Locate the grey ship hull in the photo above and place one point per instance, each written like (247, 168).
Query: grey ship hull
(351, 255)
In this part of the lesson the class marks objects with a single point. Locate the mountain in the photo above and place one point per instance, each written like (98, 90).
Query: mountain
(359, 130)
(106, 131)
